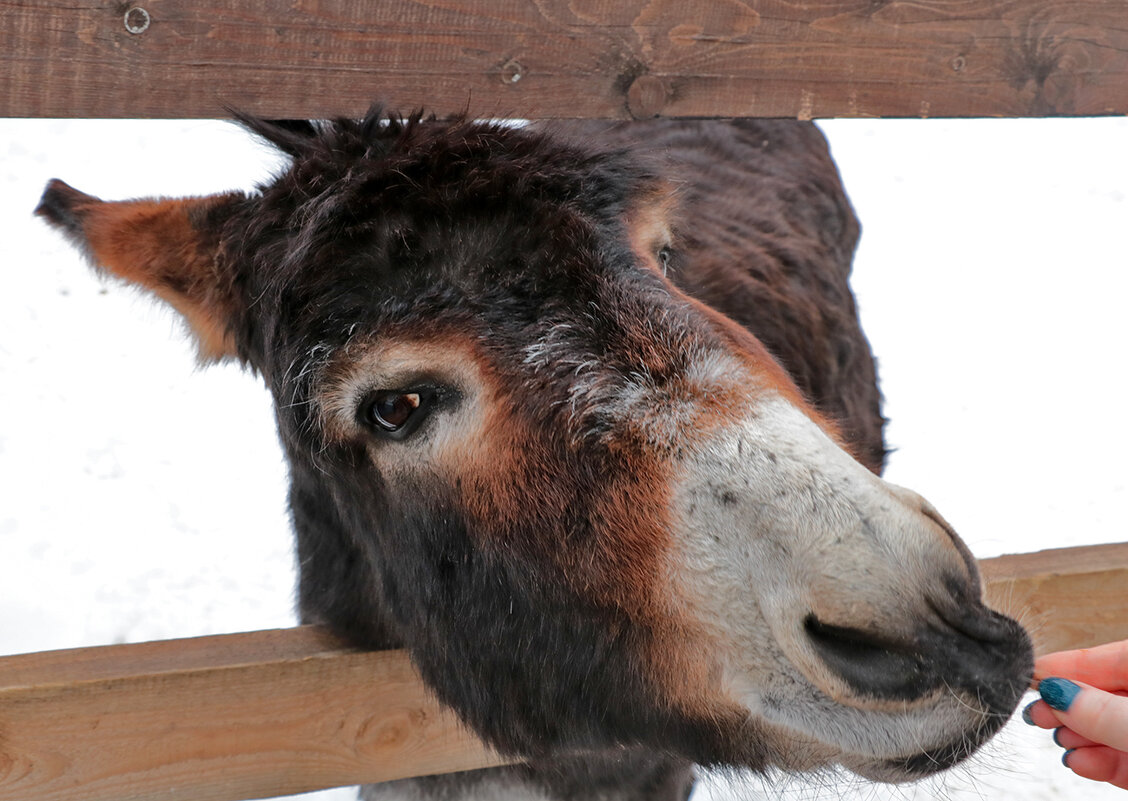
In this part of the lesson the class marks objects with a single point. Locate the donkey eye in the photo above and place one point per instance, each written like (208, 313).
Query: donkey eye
(664, 254)
(396, 413)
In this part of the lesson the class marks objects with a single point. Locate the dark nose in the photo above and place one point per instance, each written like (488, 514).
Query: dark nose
(961, 646)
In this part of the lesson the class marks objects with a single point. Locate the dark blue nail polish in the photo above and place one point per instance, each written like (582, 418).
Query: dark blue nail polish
(1026, 717)
(1057, 741)
(1065, 757)
(1058, 693)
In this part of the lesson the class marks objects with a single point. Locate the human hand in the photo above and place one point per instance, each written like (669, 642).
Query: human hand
(1084, 701)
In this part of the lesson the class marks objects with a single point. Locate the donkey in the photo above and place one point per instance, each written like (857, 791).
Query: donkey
(581, 416)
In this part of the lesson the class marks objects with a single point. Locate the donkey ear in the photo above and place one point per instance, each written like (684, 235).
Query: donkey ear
(166, 246)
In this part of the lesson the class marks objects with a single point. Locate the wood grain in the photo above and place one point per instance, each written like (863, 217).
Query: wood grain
(222, 718)
(565, 58)
(1067, 598)
(267, 713)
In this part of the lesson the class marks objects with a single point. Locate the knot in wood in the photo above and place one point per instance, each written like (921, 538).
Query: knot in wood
(137, 20)
(646, 97)
(512, 71)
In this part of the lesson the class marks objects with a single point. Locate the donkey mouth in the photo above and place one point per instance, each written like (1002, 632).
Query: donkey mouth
(999, 703)
(975, 668)
(921, 765)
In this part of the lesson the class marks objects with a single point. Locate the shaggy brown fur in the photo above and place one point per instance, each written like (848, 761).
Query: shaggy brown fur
(765, 234)
(557, 400)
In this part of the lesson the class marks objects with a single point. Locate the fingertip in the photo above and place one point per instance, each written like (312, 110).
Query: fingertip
(1038, 713)
(1058, 693)
(1100, 764)
(1093, 714)
(1067, 754)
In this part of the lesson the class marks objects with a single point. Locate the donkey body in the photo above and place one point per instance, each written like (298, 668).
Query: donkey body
(581, 415)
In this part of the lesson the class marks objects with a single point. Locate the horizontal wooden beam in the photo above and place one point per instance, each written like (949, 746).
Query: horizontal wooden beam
(1067, 597)
(562, 58)
(267, 713)
(222, 718)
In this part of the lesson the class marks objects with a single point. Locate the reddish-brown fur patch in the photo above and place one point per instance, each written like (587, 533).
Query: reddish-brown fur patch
(509, 474)
(502, 466)
(624, 566)
(648, 224)
(154, 244)
(764, 366)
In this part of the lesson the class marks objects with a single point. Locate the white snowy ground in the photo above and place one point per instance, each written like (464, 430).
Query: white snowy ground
(141, 498)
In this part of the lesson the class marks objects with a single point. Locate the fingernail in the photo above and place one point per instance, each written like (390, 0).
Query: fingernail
(1058, 693)
(1057, 731)
(1065, 757)
(1026, 716)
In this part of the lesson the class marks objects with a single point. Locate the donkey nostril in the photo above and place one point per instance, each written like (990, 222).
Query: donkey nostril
(870, 663)
(848, 642)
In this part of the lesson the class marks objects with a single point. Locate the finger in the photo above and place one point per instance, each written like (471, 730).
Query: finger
(1069, 739)
(1105, 666)
(1099, 763)
(1039, 714)
(1101, 717)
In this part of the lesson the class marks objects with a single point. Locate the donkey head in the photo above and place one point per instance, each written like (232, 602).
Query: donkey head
(596, 511)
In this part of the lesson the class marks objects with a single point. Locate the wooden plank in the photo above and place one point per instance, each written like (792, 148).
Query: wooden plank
(266, 713)
(565, 58)
(219, 719)
(1067, 597)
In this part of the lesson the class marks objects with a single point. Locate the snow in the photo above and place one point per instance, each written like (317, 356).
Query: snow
(142, 498)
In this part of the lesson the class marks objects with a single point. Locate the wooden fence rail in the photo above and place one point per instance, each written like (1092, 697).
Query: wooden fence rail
(234, 716)
(267, 713)
(564, 58)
